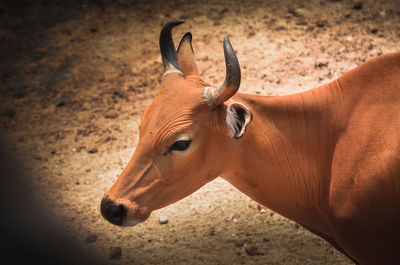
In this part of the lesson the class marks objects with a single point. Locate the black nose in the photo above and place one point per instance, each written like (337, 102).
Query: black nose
(114, 213)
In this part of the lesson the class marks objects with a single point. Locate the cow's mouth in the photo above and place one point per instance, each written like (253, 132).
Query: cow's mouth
(135, 216)
(132, 222)
(122, 212)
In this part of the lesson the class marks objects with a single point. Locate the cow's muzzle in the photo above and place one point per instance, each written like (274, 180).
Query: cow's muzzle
(113, 212)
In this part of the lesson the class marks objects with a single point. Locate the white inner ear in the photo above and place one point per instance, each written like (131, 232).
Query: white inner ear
(238, 116)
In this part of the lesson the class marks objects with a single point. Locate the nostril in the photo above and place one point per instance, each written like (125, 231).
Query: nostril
(114, 213)
(118, 216)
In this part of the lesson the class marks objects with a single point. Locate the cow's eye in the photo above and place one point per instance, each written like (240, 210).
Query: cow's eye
(180, 145)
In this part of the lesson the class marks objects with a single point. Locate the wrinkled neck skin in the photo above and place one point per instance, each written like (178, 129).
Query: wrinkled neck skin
(283, 161)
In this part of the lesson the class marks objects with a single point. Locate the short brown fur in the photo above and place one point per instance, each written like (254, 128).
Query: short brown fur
(327, 158)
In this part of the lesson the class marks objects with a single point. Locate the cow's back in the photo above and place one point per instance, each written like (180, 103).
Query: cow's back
(365, 186)
(376, 81)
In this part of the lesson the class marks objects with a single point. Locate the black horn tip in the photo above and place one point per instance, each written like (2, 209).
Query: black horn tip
(186, 37)
(232, 77)
(232, 63)
(172, 23)
(167, 47)
(228, 46)
(227, 43)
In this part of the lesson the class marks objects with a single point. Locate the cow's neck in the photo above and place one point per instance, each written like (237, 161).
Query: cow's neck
(284, 159)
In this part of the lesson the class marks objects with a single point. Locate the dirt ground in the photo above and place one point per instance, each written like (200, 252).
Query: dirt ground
(77, 75)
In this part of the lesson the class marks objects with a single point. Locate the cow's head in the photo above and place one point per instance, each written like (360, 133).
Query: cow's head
(183, 135)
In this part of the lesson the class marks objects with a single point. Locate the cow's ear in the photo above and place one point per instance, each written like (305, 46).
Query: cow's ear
(238, 116)
(186, 56)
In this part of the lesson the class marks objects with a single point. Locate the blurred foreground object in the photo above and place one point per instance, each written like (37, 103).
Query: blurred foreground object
(29, 235)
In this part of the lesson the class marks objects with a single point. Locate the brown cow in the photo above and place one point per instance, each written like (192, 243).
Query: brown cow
(327, 158)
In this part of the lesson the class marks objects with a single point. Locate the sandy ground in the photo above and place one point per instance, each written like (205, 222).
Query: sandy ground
(75, 78)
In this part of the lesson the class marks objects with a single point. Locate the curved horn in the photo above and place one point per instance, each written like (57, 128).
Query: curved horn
(217, 96)
(186, 56)
(167, 46)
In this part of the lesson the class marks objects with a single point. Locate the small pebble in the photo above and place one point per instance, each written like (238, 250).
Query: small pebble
(91, 238)
(266, 240)
(116, 252)
(238, 243)
(62, 101)
(9, 112)
(92, 150)
(111, 114)
(212, 231)
(66, 32)
(358, 6)
(253, 251)
(321, 23)
(162, 219)
(251, 34)
(279, 28)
